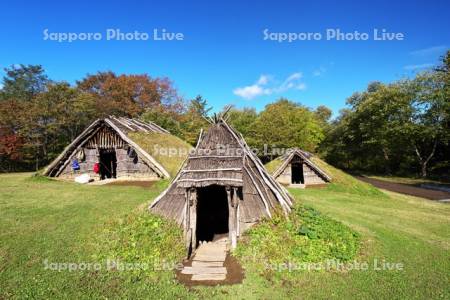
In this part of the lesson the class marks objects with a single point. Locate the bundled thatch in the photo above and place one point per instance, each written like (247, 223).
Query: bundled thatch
(130, 139)
(222, 158)
(282, 168)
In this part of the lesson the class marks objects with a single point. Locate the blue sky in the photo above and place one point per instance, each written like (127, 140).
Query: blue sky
(223, 55)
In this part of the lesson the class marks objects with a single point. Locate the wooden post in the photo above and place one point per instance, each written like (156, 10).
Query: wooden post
(237, 201)
(232, 206)
(193, 217)
(186, 228)
(190, 219)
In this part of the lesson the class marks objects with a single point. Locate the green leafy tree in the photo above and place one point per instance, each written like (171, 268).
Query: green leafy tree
(194, 119)
(394, 127)
(54, 118)
(428, 126)
(285, 124)
(323, 113)
(23, 82)
(20, 85)
(167, 119)
(243, 121)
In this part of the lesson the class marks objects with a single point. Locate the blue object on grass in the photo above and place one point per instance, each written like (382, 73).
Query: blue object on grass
(75, 165)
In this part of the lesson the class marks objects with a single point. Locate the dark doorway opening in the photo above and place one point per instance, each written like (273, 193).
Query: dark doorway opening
(108, 163)
(212, 212)
(297, 173)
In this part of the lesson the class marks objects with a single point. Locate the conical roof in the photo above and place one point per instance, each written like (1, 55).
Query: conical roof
(222, 157)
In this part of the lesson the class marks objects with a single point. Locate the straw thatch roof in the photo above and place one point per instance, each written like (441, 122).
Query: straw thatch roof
(223, 158)
(277, 166)
(139, 135)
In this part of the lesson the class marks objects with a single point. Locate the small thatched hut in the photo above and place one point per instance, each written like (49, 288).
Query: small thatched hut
(296, 169)
(119, 147)
(222, 188)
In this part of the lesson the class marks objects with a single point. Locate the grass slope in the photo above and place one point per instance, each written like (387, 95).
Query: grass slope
(169, 150)
(64, 222)
(395, 228)
(340, 181)
(343, 182)
(273, 165)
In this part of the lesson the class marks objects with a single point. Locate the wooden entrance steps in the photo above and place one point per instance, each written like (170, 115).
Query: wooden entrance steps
(208, 262)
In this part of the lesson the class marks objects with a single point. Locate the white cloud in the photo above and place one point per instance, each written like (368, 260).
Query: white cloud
(301, 86)
(249, 92)
(263, 79)
(294, 76)
(319, 72)
(266, 85)
(430, 51)
(417, 67)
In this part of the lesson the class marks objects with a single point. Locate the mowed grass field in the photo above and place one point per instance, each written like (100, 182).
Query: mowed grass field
(62, 222)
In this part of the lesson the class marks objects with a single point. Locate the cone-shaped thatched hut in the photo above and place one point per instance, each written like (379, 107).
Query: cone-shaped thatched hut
(119, 147)
(222, 188)
(296, 169)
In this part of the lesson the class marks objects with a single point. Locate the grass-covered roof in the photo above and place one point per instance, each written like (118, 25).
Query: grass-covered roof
(169, 150)
(273, 165)
(339, 178)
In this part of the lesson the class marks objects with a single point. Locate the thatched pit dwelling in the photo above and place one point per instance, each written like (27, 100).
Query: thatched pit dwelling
(296, 169)
(122, 148)
(222, 189)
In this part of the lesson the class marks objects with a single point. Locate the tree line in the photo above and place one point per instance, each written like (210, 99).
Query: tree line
(40, 116)
(396, 128)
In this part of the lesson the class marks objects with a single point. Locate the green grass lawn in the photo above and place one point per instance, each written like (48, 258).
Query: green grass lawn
(64, 222)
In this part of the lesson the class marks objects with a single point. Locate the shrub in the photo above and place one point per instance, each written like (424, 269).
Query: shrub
(306, 237)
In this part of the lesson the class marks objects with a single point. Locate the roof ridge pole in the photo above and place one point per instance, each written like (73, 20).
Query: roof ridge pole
(124, 123)
(151, 125)
(200, 136)
(207, 120)
(133, 122)
(156, 125)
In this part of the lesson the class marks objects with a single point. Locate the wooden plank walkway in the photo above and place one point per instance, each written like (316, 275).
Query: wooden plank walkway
(208, 262)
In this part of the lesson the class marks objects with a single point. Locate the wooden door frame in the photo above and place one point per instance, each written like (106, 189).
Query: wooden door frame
(190, 217)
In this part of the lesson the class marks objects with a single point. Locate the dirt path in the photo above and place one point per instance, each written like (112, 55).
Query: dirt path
(138, 183)
(211, 265)
(407, 189)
